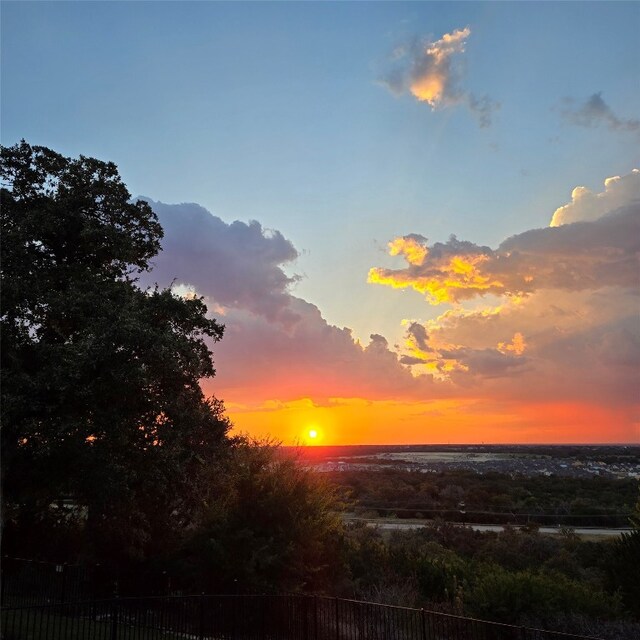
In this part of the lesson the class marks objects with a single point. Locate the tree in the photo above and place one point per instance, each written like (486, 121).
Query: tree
(273, 527)
(625, 563)
(100, 380)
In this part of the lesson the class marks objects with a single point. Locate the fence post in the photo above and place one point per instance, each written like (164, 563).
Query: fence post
(114, 621)
(234, 617)
(424, 624)
(201, 616)
(64, 582)
(305, 616)
(315, 617)
(3, 583)
(337, 619)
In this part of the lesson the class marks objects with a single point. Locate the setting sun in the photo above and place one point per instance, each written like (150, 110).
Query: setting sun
(312, 435)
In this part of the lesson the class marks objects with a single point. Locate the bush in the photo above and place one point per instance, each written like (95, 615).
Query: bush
(272, 528)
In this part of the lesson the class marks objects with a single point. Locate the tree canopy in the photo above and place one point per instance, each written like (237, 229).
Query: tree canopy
(100, 379)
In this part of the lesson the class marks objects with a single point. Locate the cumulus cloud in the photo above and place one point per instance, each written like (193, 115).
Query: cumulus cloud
(263, 360)
(483, 364)
(412, 247)
(565, 346)
(562, 330)
(428, 70)
(574, 337)
(587, 205)
(584, 255)
(276, 346)
(235, 265)
(517, 345)
(595, 112)
(442, 358)
(563, 326)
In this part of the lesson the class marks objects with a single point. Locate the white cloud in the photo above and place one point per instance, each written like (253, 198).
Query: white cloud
(587, 205)
(236, 265)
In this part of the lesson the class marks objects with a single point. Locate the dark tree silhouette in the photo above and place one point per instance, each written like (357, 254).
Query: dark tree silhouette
(101, 402)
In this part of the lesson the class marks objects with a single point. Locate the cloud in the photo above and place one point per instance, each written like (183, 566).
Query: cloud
(432, 78)
(275, 346)
(530, 362)
(412, 247)
(483, 363)
(595, 112)
(428, 71)
(586, 205)
(517, 345)
(262, 360)
(576, 346)
(563, 326)
(441, 358)
(483, 108)
(236, 265)
(588, 254)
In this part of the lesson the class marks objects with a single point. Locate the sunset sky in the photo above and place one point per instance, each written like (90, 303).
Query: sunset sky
(419, 222)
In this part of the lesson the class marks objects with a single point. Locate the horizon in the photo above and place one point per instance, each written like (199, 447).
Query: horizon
(414, 221)
(471, 444)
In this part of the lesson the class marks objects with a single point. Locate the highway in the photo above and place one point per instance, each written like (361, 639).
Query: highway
(396, 524)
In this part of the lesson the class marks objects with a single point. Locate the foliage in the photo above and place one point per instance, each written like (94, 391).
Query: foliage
(509, 596)
(624, 567)
(272, 527)
(100, 380)
(490, 497)
(513, 576)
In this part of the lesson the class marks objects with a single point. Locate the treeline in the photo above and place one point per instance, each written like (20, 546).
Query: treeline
(488, 498)
(517, 576)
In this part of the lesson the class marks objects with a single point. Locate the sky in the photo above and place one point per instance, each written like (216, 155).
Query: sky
(419, 222)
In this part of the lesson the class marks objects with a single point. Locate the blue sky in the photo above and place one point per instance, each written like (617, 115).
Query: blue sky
(277, 112)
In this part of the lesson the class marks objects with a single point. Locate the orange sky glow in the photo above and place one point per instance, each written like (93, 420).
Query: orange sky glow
(535, 341)
(356, 421)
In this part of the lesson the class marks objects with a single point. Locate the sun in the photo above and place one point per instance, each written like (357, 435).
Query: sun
(312, 435)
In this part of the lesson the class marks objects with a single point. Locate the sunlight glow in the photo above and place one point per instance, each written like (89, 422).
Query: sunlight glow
(312, 435)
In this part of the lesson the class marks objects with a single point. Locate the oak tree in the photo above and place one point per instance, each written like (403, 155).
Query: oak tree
(101, 401)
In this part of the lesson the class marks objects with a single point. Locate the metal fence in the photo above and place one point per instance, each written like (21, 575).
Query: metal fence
(28, 582)
(33, 582)
(258, 617)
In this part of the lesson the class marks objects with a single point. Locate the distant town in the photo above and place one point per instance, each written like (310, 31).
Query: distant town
(611, 461)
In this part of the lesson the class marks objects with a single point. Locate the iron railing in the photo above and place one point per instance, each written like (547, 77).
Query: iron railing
(242, 617)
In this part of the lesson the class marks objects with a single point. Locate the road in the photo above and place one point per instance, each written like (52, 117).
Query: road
(389, 524)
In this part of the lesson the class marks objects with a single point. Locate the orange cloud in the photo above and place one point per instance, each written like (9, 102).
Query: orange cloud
(588, 255)
(428, 71)
(429, 83)
(445, 282)
(412, 247)
(517, 345)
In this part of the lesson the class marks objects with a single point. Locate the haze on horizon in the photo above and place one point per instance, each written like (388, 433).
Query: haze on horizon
(419, 222)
